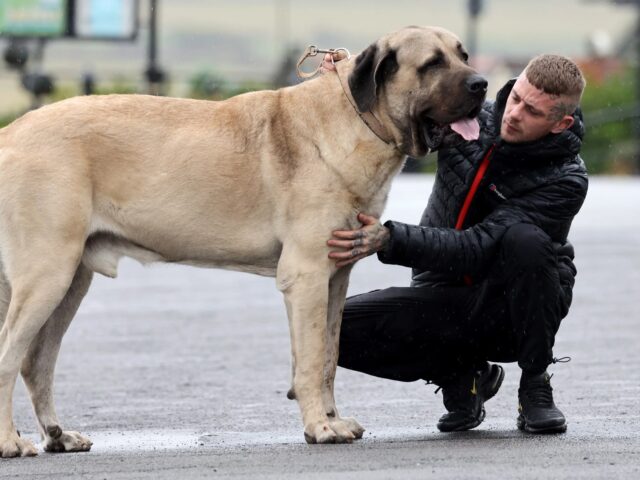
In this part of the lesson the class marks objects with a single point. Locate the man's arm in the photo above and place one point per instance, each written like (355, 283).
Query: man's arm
(469, 251)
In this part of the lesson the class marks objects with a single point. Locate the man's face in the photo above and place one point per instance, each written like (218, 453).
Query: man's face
(531, 114)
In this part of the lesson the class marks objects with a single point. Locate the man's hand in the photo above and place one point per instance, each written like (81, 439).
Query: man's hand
(356, 244)
(327, 63)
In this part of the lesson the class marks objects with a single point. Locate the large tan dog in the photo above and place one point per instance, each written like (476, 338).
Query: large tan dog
(255, 183)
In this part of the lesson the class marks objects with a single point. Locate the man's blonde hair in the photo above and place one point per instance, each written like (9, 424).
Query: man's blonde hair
(558, 76)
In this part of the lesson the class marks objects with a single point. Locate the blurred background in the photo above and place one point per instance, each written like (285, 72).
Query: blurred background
(213, 49)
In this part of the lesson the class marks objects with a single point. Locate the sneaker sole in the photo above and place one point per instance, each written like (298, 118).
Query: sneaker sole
(465, 426)
(524, 426)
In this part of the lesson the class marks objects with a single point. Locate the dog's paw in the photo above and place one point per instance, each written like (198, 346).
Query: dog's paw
(319, 432)
(58, 441)
(334, 431)
(342, 429)
(12, 445)
(352, 425)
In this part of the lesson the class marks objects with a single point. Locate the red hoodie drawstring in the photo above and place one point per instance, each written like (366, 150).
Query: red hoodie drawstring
(470, 194)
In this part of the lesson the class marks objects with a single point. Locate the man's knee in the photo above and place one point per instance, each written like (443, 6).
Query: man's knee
(527, 247)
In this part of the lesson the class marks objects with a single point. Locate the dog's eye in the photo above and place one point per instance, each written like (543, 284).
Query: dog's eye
(436, 61)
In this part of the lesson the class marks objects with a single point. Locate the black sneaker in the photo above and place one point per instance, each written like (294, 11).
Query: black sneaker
(537, 412)
(464, 399)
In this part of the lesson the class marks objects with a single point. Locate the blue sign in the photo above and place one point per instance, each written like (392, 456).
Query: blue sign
(106, 19)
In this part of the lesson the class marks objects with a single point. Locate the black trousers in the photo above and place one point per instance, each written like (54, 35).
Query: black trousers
(439, 333)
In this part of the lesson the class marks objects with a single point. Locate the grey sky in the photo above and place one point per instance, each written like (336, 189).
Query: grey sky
(516, 27)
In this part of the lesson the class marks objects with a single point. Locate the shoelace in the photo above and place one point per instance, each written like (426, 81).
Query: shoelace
(561, 360)
(431, 382)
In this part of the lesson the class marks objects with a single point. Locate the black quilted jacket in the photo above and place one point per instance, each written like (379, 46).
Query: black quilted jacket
(542, 183)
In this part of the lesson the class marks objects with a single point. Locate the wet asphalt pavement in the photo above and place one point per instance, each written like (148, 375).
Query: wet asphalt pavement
(176, 372)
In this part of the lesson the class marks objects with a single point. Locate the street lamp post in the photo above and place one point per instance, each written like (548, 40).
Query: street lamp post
(475, 7)
(154, 74)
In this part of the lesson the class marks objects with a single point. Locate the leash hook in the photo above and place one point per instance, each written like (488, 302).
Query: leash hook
(312, 51)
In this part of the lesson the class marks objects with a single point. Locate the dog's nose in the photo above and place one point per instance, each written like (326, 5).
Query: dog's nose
(477, 84)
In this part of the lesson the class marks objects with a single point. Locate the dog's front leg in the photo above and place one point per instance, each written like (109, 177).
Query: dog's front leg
(337, 294)
(305, 284)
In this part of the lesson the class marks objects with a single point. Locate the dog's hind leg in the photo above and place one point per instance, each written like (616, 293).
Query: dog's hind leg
(337, 293)
(39, 280)
(39, 364)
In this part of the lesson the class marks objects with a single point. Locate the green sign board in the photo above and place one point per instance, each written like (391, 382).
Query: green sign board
(34, 18)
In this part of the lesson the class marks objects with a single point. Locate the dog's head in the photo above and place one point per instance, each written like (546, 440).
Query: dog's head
(418, 82)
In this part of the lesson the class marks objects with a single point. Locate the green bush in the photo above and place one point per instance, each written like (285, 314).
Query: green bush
(6, 119)
(207, 85)
(609, 145)
(117, 85)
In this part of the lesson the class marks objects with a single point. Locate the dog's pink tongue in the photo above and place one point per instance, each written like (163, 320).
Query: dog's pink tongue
(468, 128)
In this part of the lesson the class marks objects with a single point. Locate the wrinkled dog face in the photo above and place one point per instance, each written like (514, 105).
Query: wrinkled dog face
(420, 79)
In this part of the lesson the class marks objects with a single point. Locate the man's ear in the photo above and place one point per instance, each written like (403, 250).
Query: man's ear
(373, 68)
(564, 124)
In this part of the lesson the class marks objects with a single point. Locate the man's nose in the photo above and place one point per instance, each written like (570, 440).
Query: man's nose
(476, 84)
(516, 112)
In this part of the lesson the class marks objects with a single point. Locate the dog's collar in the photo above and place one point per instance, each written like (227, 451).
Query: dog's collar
(367, 117)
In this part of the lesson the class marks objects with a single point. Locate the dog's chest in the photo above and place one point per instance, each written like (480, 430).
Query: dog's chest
(375, 199)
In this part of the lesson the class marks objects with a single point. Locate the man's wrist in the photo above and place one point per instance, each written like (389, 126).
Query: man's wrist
(385, 238)
(387, 247)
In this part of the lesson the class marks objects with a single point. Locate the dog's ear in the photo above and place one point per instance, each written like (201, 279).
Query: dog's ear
(373, 68)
